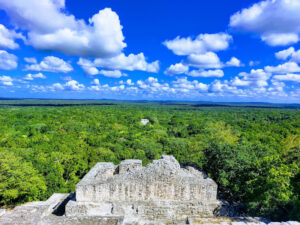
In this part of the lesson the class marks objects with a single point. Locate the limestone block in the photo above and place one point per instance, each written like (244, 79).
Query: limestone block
(144, 121)
(82, 220)
(2, 212)
(129, 165)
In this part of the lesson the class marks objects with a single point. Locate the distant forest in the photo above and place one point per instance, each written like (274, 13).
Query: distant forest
(251, 150)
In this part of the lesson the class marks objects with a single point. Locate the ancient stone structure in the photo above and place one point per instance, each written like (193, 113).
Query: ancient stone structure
(161, 191)
(129, 194)
(144, 121)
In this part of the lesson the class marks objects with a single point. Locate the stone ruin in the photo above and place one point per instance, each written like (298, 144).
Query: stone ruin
(161, 191)
(129, 194)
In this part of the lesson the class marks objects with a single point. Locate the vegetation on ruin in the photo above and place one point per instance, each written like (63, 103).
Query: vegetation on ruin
(252, 153)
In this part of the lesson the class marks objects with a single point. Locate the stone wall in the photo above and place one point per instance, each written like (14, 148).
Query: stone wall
(162, 193)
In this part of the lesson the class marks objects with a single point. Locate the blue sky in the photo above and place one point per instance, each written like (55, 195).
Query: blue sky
(208, 50)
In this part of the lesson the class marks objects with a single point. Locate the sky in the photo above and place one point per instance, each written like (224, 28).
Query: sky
(183, 50)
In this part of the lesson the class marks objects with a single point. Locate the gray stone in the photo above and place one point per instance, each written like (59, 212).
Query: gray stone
(293, 223)
(144, 121)
(2, 212)
(158, 192)
(129, 194)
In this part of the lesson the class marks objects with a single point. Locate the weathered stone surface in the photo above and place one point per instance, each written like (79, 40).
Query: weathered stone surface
(162, 193)
(161, 180)
(31, 213)
(144, 121)
(83, 220)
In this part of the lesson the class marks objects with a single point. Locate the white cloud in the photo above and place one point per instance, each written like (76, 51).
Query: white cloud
(120, 62)
(127, 82)
(33, 76)
(178, 68)
(30, 60)
(289, 67)
(240, 83)
(88, 66)
(151, 85)
(130, 62)
(95, 82)
(290, 54)
(51, 28)
(234, 62)
(276, 21)
(253, 63)
(207, 60)
(6, 80)
(184, 85)
(74, 85)
(256, 78)
(200, 45)
(223, 87)
(288, 77)
(71, 85)
(112, 73)
(57, 86)
(276, 87)
(8, 61)
(51, 64)
(206, 73)
(66, 78)
(8, 37)
(280, 39)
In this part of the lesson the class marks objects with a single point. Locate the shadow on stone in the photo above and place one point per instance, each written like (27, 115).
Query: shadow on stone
(60, 208)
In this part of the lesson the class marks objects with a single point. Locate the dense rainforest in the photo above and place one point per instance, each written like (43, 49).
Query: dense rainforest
(252, 153)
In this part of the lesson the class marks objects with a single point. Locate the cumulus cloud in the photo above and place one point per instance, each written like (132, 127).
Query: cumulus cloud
(253, 63)
(220, 87)
(184, 85)
(129, 82)
(206, 60)
(57, 86)
(256, 78)
(234, 62)
(276, 21)
(88, 66)
(49, 27)
(152, 85)
(290, 54)
(30, 60)
(34, 76)
(206, 73)
(200, 45)
(130, 62)
(95, 82)
(240, 82)
(120, 62)
(8, 61)
(280, 39)
(8, 37)
(276, 87)
(50, 64)
(112, 73)
(288, 77)
(6, 80)
(177, 68)
(66, 78)
(73, 85)
(289, 67)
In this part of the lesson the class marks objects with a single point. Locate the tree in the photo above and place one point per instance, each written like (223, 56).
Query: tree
(19, 181)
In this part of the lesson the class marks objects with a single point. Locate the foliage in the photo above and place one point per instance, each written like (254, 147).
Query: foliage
(252, 153)
(19, 181)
